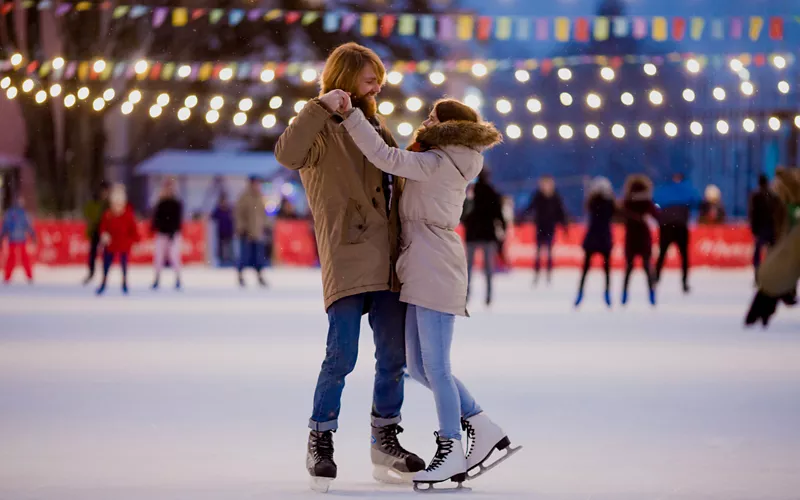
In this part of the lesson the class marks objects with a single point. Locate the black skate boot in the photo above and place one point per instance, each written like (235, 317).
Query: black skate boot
(391, 462)
(319, 460)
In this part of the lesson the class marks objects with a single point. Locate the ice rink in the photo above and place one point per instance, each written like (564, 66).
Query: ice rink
(205, 394)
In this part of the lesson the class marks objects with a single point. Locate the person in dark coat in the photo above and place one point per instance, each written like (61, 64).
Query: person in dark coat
(481, 224)
(600, 209)
(637, 205)
(223, 218)
(712, 212)
(548, 212)
(92, 213)
(676, 200)
(167, 223)
(761, 214)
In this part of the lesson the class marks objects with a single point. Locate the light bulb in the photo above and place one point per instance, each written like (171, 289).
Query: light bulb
(565, 131)
(645, 130)
(184, 114)
(135, 96)
(747, 88)
(437, 78)
(27, 85)
(534, 105)
(83, 93)
(607, 74)
(626, 98)
(522, 76)
(719, 93)
(405, 129)
(109, 94)
(16, 59)
(212, 116)
(184, 71)
(749, 125)
(473, 101)
(414, 104)
(394, 77)
(69, 100)
(566, 99)
(779, 62)
(736, 65)
(216, 103)
(479, 69)
(688, 95)
(141, 67)
(58, 63)
(299, 105)
(126, 108)
(246, 104)
(190, 101)
(618, 131)
(309, 75)
(225, 74)
(275, 102)
(783, 87)
(774, 123)
(163, 100)
(11, 93)
(540, 132)
(565, 74)
(267, 75)
(5, 83)
(513, 131)
(99, 104)
(656, 97)
(40, 97)
(239, 119)
(722, 127)
(99, 66)
(696, 128)
(386, 108)
(671, 129)
(592, 131)
(693, 66)
(55, 90)
(650, 69)
(503, 106)
(594, 101)
(155, 111)
(269, 121)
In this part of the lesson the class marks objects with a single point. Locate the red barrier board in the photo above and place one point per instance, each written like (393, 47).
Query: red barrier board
(61, 243)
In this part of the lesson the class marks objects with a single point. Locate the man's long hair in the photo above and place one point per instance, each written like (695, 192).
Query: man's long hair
(344, 66)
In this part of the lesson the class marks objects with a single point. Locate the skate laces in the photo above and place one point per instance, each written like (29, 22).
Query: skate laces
(444, 447)
(465, 425)
(323, 445)
(390, 443)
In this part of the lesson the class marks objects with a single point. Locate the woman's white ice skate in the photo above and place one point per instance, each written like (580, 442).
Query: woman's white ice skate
(448, 464)
(484, 437)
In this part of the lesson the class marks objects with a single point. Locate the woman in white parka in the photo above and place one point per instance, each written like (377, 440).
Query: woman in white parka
(444, 158)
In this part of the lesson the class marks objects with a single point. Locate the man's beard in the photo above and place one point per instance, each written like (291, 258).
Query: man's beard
(367, 104)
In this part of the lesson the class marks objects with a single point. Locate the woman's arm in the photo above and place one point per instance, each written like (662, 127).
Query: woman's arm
(396, 161)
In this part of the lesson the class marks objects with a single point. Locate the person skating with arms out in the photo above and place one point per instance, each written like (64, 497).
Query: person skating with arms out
(356, 224)
(445, 157)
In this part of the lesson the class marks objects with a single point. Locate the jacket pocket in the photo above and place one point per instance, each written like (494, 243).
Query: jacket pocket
(355, 222)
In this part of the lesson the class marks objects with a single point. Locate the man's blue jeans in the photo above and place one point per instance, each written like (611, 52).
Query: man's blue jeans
(429, 335)
(251, 253)
(387, 320)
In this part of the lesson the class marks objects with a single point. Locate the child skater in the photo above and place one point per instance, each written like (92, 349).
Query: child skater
(636, 207)
(600, 208)
(17, 228)
(118, 233)
(432, 267)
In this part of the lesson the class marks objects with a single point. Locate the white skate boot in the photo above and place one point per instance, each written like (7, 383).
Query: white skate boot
(484, 437)
(448, 464)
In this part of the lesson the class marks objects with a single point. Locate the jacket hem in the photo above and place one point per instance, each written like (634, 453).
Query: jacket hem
(355, 291)
(457, 311)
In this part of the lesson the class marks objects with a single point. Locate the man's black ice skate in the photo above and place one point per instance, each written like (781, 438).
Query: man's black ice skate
(391, 462)
(319, 460)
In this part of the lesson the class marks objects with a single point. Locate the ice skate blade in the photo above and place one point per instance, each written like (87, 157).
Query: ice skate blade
(320, 484)
(388, 475)
(429, 486)
(503, 445)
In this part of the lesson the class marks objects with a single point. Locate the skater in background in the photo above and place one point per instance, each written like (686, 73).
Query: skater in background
(118, 233)
(600, 210)
(166, 225)
(778, 275)
(482, 224)
(548, 212)
(92, 214)
(445, 157)
(223, 219)
(676, 200)
(356, 223)
(251, 226)
(17, 228)
(712, 212)
(637, 206)
(761, 213)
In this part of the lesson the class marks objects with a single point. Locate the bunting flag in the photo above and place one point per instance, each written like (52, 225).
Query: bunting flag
(441, 26)
(250, 70)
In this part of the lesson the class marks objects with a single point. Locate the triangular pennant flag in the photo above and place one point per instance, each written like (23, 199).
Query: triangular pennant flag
(601, 28)
(83, 70)
(445, 28)
(8, 7)
(168, 71)
(466, 26)
(180, 16)
(309, 17)
(523, 28)
(388, 22)
(82, 6)
(291, 17)
(696, 28)
(155, 71)
(659, 28)
(244, 71)
(582, 29)
(737, 28)
(330, 22)
(205, 71)
(215, 15)
(542, 28)
(106, 5)
(562, 29)
(27, 4)
(503, 29)
(45, 4)
(253, 15)
(639, 28)
(70, 71)
(678, 28)
(198, 13)
(348, 21)
(369, 24)
(756, 25)
(235, 16)
(760, 60)
(484, 27)
(427, 27)
(119, 69)
(776, 28)
(407, 24)
(138, 11)
(62, 9)
(106, 74)
(120, 11)
(45, 69)
(717, 29)
(621, 27)
(159, 16)
(273, 14)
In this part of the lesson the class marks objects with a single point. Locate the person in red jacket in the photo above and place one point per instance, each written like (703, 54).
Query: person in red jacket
(118, 233)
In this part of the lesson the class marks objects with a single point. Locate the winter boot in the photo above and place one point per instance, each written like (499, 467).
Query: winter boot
(391, 462)
(125, 288)
(686, 288)
(607, 296)
(624, 297)
(579, 299)
(101, 289)
(155, 283)
(449, 463)
(483, 438)
(319, 460)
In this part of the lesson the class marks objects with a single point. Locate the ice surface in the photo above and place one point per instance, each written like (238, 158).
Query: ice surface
(204, 394)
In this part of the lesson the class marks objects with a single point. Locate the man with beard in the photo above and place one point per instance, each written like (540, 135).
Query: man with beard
(356, 222)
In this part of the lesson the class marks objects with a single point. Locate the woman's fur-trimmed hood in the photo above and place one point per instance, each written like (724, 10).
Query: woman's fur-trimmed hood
(638, 187)
(475, 135)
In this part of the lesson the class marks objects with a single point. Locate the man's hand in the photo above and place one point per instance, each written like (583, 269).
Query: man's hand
(337, 101)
